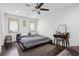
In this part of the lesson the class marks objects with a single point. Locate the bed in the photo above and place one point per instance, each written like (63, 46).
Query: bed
(26, 42)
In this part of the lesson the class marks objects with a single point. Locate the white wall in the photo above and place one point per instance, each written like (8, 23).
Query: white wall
(1, 28)
(69, 16)
(0, 32)
(20, 19)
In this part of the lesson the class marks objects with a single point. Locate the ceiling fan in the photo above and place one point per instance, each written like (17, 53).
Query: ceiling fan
(38, 8)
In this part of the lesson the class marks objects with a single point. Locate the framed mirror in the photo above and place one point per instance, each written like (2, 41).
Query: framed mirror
(62, 28)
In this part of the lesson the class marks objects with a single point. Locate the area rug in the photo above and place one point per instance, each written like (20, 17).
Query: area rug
(37, 51)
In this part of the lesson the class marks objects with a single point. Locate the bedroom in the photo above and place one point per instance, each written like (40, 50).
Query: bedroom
(30, 18)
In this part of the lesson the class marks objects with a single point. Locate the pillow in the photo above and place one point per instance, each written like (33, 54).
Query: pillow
(33, 33)
(24, 34)
(29, 34)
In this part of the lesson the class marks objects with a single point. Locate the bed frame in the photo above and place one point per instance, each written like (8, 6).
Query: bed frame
(24, 48)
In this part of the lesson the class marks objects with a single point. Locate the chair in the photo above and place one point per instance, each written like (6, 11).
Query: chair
(60, 40)
(8, 41)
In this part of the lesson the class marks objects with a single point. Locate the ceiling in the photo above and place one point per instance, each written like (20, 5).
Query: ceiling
(21, 10)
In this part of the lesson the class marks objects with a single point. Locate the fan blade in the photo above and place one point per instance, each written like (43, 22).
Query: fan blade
(44, 9)
(27, 5)
(40, 5)
(37, 4)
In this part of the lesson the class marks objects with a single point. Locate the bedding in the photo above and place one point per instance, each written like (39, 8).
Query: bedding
(30, 41)
(23, 34)
(33, 33)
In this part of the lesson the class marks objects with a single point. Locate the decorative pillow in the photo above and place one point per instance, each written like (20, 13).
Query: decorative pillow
(33, 33)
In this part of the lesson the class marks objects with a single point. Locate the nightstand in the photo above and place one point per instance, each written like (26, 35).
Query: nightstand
(8, 40)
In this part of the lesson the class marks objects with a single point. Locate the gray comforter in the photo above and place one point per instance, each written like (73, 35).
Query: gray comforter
(29, 41)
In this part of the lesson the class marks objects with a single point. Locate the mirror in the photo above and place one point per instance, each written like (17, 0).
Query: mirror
(62, 28)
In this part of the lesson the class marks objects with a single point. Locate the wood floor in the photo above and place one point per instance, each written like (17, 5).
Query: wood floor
(43, 50)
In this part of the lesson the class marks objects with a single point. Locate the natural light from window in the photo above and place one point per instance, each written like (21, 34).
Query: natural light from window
(32, 26)
(13, 26)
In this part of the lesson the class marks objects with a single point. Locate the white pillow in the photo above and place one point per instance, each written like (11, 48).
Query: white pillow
(33, 33)
(24, 34)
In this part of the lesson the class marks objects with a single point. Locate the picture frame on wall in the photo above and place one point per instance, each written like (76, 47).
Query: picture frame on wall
(24, 23)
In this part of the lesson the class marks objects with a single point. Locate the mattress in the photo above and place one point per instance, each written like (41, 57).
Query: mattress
(30, 41)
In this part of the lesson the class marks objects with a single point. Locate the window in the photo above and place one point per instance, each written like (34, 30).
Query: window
(13, 25)
(32, 26)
